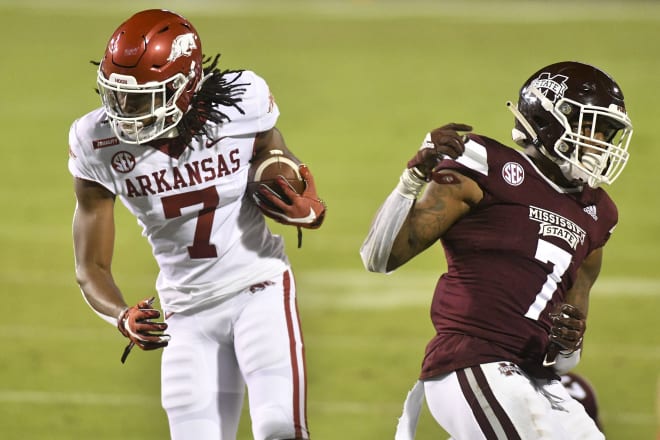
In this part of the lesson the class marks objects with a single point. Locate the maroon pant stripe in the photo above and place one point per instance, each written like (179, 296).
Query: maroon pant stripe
(294, 357)
(482, 419)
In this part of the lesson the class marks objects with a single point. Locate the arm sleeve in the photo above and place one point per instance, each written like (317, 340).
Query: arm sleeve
(376, 249)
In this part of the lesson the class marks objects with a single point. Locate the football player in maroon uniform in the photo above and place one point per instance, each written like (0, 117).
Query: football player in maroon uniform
(523, 232)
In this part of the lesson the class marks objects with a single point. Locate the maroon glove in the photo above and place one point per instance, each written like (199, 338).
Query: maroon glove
(306, 210)
(136, 324)
(439, 143)
(566, 333)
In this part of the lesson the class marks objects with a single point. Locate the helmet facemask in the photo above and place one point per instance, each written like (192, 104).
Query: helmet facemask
(594, 146)
(139, 113)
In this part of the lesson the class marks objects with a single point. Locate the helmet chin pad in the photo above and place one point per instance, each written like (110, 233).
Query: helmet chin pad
(136, 132)
(519, 137)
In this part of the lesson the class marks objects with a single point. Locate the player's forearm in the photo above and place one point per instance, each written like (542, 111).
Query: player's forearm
(100, 292)
(376, 251)
(587, 274)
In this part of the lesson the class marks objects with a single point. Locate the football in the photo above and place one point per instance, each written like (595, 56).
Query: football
(266, 169)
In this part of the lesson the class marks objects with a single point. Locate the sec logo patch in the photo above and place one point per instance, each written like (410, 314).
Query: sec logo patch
(513, 173)
(123, 162)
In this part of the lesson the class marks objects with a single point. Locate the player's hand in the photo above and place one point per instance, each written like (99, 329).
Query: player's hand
(566, 333)
(305, 210)
(136, 323)
(438, 144)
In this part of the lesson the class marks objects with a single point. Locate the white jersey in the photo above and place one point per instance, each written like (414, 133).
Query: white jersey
(208, 239)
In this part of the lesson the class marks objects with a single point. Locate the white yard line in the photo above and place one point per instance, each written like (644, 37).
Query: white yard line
(32, 397)
(353, 289)
(60, 397)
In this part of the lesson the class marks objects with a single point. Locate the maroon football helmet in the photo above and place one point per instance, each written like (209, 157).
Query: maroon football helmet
(575, 115)
(151, 69)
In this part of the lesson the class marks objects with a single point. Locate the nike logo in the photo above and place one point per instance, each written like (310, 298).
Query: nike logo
(212, 142)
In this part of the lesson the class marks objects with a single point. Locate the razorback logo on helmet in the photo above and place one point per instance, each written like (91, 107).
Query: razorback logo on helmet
(131, 51)
(182, 45)
(552, 87)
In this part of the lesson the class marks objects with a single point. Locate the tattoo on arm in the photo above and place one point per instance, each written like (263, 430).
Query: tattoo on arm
(439, 207)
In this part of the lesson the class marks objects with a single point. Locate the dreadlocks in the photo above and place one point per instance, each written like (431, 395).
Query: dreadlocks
(215, 91)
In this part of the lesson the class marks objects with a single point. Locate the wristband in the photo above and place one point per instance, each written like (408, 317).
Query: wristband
(410, 184)
(566, 362)
(121, 320)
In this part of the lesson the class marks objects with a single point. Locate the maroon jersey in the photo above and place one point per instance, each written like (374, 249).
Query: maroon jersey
(510, 261)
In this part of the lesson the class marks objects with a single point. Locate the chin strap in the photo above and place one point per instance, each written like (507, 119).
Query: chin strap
(518, 136)
(547, 106)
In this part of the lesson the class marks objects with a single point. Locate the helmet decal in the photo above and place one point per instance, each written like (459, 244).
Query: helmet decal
(182, 45)
(551, 86)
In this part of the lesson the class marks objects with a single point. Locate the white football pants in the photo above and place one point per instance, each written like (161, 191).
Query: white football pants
(251, 338)
(497, 401)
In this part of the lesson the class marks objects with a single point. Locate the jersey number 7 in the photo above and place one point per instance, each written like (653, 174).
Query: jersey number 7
(208, 198)
(547, 252)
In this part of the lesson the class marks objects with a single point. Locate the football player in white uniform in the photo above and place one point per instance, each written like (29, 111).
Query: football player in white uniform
(173, 141)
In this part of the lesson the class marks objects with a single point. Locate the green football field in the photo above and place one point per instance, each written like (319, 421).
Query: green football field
(359, 83)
